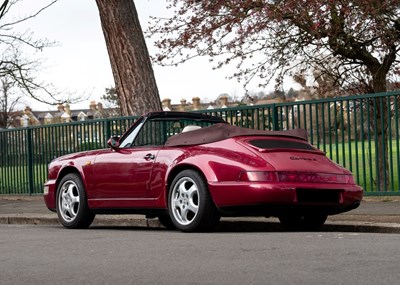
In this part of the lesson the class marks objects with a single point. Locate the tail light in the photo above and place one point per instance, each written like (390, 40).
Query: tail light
(292, 176)
(265, 176)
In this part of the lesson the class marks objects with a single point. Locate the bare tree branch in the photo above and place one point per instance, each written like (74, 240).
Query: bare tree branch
(3, 8)
(24, 72)
(29, 17)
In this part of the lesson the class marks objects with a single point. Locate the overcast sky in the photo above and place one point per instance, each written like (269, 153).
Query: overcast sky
(80, 64)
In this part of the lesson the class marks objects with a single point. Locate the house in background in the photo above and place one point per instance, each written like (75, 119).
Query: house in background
(64, 114)
(196, 104)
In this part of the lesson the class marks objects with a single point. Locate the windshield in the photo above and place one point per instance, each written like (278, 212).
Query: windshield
(156, 130)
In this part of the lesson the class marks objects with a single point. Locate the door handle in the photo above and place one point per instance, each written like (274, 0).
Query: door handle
(149, 156)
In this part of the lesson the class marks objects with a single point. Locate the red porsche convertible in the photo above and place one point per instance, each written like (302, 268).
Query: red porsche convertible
(189, 169)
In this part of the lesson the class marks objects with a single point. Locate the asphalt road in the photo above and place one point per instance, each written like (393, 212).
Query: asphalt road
(54, 255)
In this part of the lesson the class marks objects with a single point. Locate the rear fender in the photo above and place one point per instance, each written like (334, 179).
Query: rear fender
(174, 171)
(211, 171)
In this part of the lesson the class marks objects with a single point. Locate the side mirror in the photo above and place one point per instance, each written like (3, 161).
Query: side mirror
(113, 142)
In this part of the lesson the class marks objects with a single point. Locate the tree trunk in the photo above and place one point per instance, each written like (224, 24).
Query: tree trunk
(381, 131)
(130, 62)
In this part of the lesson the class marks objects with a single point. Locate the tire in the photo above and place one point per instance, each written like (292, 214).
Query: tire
(71, 203)
(166, 221)
(190, 205)
(307, 222)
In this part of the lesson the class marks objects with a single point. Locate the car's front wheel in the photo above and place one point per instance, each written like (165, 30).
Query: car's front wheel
(307, 222)
(71, 204)
(190, 204)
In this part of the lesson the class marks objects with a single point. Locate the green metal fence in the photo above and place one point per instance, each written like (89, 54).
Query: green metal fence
(356, 132)
(26, 152)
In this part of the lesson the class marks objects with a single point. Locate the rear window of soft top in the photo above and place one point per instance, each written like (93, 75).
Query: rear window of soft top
(274, 143)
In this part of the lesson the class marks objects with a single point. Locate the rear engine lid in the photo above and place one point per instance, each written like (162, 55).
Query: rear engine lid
(289, 154)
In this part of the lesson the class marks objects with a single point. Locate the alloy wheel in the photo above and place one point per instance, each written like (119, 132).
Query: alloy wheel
(185, 201)
(69, 201)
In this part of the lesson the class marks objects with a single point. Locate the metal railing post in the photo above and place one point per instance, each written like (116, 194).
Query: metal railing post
(275, 120)
(29, 153)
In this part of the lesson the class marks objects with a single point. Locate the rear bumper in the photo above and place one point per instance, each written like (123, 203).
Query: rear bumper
(275, 198)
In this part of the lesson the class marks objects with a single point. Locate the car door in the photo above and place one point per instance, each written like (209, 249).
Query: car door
(124, 173)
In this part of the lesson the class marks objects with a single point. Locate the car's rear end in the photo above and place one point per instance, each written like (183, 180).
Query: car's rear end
(296, 177)
(267, 173)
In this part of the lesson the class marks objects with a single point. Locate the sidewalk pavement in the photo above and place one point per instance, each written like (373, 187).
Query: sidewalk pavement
(375, 214)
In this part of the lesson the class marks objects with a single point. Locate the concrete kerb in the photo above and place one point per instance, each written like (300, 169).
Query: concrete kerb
(28, 220)
(382, 222)
(100, 220)
(226, 224)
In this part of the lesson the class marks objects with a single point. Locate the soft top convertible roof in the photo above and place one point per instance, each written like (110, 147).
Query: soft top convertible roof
(219, 132)
(169, 115)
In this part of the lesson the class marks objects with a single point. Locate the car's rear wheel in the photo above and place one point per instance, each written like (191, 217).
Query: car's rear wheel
(190, 204)
(307, 222)
(71, 203)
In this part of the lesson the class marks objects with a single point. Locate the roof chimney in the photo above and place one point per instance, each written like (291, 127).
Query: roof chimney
(196, 103)
(60, 107)
(224, 101)
(92, 105)
(183, 104)
(166, 104)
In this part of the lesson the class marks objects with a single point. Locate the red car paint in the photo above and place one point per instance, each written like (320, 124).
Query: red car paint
(139, 178)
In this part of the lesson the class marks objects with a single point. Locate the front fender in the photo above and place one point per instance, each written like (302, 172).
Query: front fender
(83, 166)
